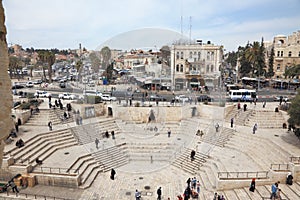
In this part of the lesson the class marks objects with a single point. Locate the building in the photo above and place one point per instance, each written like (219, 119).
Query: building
(286, 52)
(191, 64)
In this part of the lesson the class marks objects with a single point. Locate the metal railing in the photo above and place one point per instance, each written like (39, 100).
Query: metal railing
(56, 170)
(243, 175)
(295, 159)
(280, 167)
(32, 196)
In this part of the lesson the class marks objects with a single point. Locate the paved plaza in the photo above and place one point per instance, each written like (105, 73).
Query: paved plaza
(150, 167)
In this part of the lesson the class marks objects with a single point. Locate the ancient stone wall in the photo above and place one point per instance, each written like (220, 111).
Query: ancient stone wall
(6, 122)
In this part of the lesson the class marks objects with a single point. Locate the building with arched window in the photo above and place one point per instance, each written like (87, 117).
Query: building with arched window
(286, 52)
(190, 63)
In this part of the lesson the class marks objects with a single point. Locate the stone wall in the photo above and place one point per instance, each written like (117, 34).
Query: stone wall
(90, 110)
(6, 122)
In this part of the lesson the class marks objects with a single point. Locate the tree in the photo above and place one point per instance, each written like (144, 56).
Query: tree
(95, 60)
(293, 71)
(14, 65)
(251, 54)
(271, 64)
(246, 67)
(106, 55)
(294, 111)
(232, 58)
(47, 59)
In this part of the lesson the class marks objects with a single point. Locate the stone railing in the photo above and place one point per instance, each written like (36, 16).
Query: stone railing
(280, 167)
(295, 159)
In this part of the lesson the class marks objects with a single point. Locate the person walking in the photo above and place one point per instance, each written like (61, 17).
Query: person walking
(13, 186)
(254, 128)
(159, 193)
(252, 185)
(137, 195)
(289, 179)
(113, 135)
(112, 174)
(231, 122)
(193, 153)
(217, 127)
(50, 125)
(97, 143)
(274, 188)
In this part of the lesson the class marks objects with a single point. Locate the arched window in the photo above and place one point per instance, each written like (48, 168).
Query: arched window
(290, 54)
(212, 68)
(208, 56)
(181, 68)
(177, 68)
(207, 69)
(181, 55)
(177, 55)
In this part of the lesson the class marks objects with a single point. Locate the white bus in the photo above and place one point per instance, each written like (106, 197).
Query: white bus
(242, 95)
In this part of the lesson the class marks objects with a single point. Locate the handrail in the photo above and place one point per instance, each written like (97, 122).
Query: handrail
(243, 175)
(35, 196)
(280, 167)
(295, 159)
(56, 170)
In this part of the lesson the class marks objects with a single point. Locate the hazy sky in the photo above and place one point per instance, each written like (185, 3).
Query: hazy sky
(64, 24)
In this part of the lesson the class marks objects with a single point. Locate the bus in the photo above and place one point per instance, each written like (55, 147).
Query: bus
(242, 95)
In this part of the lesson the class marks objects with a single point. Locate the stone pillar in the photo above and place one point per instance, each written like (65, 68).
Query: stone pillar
(6, 122)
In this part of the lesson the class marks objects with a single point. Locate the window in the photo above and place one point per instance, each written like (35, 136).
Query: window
(207, 69)
(199, 55)
(281, 53)
(290, 54)
(208, 56)
(212, 68)
(181, 68)
(278, 67)
(191, 54)
(177, 55)
(278, 53)
(177, 68)
(181, 55)
(212, 55)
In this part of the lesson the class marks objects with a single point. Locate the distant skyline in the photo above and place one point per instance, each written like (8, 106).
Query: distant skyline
(63, 24)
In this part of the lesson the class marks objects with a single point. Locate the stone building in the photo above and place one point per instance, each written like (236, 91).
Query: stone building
(286, 52)
(192, 63)
(5, 85)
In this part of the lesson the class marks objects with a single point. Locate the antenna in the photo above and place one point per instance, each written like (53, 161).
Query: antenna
(181, 19)
(190, 29)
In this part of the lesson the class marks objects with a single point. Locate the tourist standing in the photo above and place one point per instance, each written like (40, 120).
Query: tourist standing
(254, 128)
(274, 191)
(159, 193)
(231, 122)
(169, 132)
(137, 195)
(50, 125)
(97, 143)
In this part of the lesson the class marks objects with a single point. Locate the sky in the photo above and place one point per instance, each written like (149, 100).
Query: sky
(63, 24)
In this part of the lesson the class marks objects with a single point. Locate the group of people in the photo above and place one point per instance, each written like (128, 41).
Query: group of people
(192, 189)
(218, 196)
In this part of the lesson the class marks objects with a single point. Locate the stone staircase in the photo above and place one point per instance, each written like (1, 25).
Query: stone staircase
(87, 133)
(219, 139)
(41, 146)
(112, 157)
(288, 192)
(183, 161)
(266, 119)
(60, 114)
(240, 116)
(42, 118)
(150, 152)
(87, 168)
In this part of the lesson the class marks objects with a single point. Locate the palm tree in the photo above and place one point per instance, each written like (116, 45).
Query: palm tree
(48, 58)
(252, 55)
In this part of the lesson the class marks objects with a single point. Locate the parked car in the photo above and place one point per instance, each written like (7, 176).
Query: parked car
(62, 85)
(107, 97)
(157, 98)
(17, 86)
(29, 84)
(203, 98)
(283, 98)
(182, 98)
(36, 82)
(66, 96)
(39, 93)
